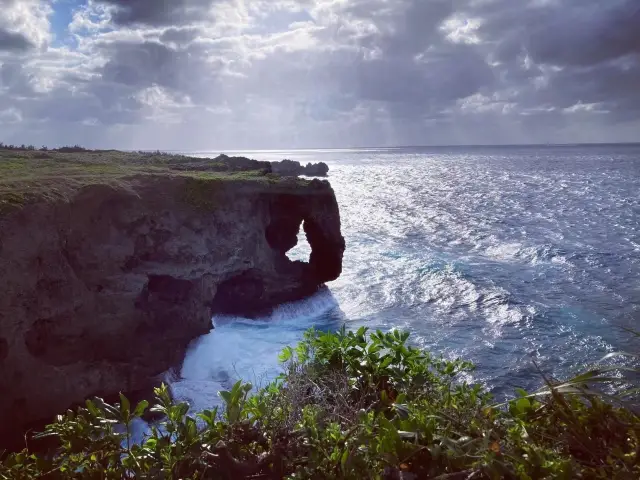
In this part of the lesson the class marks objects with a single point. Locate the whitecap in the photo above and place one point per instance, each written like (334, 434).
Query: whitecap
(247, 349)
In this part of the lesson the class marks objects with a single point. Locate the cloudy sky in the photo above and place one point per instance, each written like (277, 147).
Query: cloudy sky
(250, 74)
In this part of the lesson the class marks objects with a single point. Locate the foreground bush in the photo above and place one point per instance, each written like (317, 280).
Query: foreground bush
(352, 405)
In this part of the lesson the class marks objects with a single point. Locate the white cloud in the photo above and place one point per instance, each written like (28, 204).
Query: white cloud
(459, 29)
(293, 73)
(24, 24)
(586, 108)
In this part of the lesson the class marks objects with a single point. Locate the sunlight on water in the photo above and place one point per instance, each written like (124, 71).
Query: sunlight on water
(503, 256)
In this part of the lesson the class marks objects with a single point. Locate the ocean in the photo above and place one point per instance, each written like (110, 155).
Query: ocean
(524, 260)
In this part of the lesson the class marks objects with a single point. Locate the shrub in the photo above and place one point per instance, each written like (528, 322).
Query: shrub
(352, 405)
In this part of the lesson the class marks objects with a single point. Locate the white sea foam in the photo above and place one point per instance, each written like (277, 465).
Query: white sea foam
(247, 349)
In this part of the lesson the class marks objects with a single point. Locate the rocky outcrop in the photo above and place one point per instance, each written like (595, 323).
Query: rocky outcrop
(104, 291)
(225, 163)
(221, 163)
(293, 169)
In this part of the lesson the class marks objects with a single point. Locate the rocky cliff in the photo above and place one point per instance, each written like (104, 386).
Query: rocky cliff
(103, 290)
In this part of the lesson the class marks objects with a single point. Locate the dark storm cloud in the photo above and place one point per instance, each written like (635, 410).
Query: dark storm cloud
(587, 39)
(565, 53)
(13, 37)
(158, 12)
(615, 89)
(347, 72)
(435, 83)
(183, 72)
(416, 27)
(415, 72)
(567, 32)
(16, 80)
(144, 64)
(11, 41)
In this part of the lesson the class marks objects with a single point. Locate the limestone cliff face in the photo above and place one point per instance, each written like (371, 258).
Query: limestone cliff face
(104, 291)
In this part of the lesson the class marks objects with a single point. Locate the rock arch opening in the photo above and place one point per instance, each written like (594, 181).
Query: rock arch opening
(301, 251)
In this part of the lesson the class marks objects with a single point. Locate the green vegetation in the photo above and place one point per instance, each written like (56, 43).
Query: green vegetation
(202, 189)
(201, 193)
(28, 175)
(352, 405)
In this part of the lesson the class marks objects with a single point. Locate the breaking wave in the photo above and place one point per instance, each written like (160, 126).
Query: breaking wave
(247, 349)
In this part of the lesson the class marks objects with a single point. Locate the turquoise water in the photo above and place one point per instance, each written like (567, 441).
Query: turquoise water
(505, 256)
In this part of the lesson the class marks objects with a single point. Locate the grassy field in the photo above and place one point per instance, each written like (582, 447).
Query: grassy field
(28, 176)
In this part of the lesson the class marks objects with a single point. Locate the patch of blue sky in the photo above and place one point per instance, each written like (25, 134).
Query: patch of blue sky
(61, 18)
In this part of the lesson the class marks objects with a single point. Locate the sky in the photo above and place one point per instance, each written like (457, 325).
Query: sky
(283, 74)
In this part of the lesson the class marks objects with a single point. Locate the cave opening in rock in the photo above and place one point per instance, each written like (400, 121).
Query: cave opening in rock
(301, 252)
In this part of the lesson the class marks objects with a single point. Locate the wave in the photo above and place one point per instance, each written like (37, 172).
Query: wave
(456, 295)
(533, 255)
(247, 349)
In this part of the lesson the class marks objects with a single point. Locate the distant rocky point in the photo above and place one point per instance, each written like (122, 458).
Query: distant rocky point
(290, 168)
(284, 168)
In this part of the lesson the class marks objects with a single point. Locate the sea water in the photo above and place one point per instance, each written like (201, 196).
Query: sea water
(516, 258)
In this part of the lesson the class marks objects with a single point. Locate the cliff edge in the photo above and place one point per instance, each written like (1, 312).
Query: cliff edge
(108, 276)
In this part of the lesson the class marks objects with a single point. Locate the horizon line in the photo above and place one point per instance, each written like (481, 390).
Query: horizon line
(501, 145)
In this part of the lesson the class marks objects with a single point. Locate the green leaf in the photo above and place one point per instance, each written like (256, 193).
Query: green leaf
(125, 407)
(387, 361)
(345, 458)
(225, 395)
(151, 443)
(140, 408)
(522, 405)
(91, 407)
(285, 355)
(182, 409)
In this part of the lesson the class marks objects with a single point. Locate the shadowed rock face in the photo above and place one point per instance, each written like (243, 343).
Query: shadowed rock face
(104, 292)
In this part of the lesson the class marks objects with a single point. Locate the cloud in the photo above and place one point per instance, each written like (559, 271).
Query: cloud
(23, 25)
(295, 73)
(585, 35)
(158, 12)
(13, 41)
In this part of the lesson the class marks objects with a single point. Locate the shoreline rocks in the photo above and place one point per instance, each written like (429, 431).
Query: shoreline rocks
(293, 168)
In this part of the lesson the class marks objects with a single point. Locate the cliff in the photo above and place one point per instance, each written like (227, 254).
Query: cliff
(107, 278)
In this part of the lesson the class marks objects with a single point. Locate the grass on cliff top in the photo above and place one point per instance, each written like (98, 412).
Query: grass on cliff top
(354, 405)
(28, 176)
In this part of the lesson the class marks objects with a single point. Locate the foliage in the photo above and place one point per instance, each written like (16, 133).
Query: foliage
(352, 405)
(201, 193)
(44, 148)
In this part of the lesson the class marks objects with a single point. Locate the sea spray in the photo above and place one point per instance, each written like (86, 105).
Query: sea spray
(247, 349)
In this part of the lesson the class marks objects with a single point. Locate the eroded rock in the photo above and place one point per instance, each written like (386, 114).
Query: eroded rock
(103, 292)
